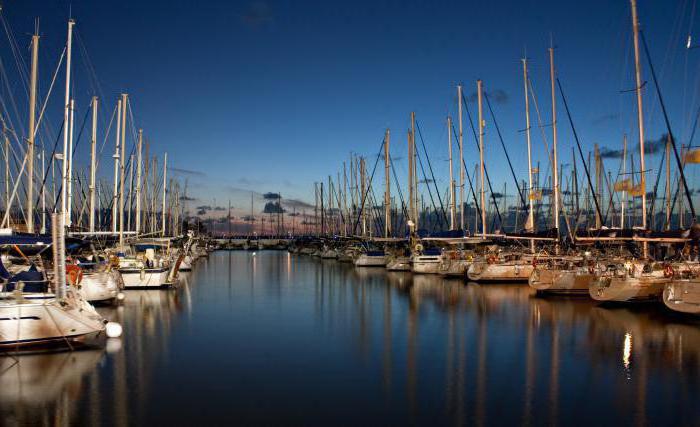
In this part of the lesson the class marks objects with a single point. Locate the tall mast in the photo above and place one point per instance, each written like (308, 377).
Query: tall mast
(121, 169)
(165, 175)
(154, 168)
(387, 193)
(43, 191)
(69, 177)
(555, 165)
(598, 187)
(30, 134)
(640, 120)
(345, 200)
(624, 174)
(363, 202)
(479, 87)
(461, 159)
(531, 210)
(139, 179)
(416, 212)
(66, 111)
(410, 178)
(453, 204)
(668, 182)
(93, 163)
(115, 196)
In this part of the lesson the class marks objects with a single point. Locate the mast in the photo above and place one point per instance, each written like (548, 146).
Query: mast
(416, 212)
(66, 111)
(116, 157)
(43, 190)
(531, 212)
(30, 135)
(479, 88)
(387, 193)
(345, 200)
(598, 189)
(165, 175)
(121, 170)
(668, 182)
(461, 159)
(93, 163)
(453, 204)
(624, 174)
(69, 177)
(410, 178)
(640, 119)
(363, 201)
(139, 146)
(555, 166)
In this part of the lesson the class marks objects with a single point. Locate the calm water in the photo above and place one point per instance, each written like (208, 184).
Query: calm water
(282, 339)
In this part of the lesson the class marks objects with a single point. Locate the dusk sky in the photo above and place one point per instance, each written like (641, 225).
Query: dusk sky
(273, 95)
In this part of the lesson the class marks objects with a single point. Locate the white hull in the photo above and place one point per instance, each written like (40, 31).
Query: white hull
(144, 278)
(365, 260)
(32, 323)
(186, 264)
(402, 263)
(482, 271)
(454, 267)
(426, 264)
(627, 289)
(100, 286)
(683, 296)
(561, 282)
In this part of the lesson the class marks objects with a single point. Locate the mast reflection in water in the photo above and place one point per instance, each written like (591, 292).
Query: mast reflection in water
(274, 338)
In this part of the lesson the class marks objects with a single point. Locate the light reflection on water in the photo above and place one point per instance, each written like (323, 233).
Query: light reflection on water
(282, 339)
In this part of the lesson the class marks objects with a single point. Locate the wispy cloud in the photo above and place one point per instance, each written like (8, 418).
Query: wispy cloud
(181, 171)
(257, 14)
(651, 147)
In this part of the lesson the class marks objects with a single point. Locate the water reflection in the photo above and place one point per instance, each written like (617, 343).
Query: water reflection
(273, 338)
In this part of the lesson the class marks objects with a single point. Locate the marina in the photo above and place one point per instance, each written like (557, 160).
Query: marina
(510, 245)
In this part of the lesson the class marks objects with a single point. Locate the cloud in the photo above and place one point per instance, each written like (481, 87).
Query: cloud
(651, 147)
(220, 208)
(271, 196)
(605, 118)
(296, 204)
(187, 198)
(204, 208)
(181, 171)
(426, 181)
(273, 207)
(257, 14)
(249, 181)
(498, 96)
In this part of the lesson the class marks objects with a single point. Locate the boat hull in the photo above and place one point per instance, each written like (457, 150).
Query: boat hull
(135, 278)
(560, 282)
(500, 273)
(683, 296)
(102, 286)
(28, 324)
(627, 289)
(365, 260)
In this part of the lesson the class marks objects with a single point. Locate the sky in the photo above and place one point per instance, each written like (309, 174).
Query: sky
(272, 96)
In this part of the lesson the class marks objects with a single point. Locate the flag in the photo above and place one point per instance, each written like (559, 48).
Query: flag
(624, 185)
(536, 195)
(693, 156)
(636, 191)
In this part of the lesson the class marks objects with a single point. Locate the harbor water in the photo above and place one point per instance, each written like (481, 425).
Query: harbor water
(268, 337)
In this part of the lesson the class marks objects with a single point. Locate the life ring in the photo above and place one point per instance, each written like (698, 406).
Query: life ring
(534, 262)
(668, 271)
(74, 274)
(419, 247)
(491, 259)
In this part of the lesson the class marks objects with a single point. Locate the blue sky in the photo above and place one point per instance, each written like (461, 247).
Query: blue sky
(273, 95)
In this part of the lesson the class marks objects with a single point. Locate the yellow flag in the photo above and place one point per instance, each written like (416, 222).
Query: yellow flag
(624, 185)
(693, 156)
(636, 191)
(536, 195)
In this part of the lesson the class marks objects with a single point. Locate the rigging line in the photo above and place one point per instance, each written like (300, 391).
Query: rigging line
(668, 128)
(425, 178)
(580, 151)
(690, 145)
(486, 172)
(364, 196)
(471, 186)
(75, 146)
(652, 208)
(398, 187)
(500, 138)
(48, 95)
(430, 167)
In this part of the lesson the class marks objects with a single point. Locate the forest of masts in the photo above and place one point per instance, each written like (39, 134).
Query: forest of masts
(41, 177)
(588, 196)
